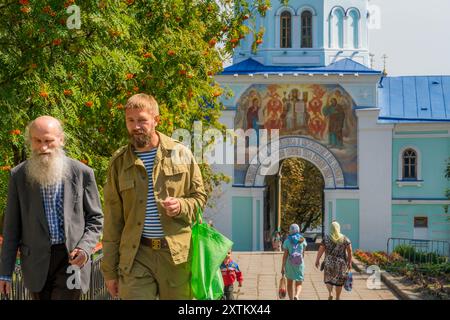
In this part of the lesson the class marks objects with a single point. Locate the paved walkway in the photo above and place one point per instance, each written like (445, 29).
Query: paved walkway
(262, 272)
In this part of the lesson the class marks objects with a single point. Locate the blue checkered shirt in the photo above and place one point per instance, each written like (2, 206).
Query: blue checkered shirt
(53, 198)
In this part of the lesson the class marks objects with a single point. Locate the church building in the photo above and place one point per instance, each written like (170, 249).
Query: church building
(381, 143)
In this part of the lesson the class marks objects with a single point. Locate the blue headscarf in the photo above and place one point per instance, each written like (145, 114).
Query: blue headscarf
(294, 234)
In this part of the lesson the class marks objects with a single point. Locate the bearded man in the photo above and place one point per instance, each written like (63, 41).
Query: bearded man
(151, 196)
(53, 216)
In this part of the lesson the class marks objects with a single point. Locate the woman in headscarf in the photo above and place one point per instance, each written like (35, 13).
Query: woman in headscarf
(293, 265)
(338, 259)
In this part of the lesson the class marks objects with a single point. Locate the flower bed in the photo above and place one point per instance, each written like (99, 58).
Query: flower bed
(434, 278)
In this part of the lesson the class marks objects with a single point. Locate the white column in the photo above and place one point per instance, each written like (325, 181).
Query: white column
(375, 179)
(296, 29)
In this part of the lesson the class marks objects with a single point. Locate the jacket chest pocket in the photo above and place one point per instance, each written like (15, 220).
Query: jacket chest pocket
(174, 171)
(175, 177)
(126, 185)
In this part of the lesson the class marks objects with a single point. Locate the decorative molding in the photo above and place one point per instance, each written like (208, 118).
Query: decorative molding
(300, 147)
(419, 201)
(409, 183)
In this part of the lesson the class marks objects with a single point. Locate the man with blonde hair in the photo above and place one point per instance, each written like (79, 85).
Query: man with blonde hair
(150, 203)
(53, 216)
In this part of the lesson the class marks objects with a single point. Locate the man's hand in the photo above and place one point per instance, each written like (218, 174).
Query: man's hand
(78, 257)
(5, 287)
(317, 264)
(172, 206)
(113, 287)
(240, 284)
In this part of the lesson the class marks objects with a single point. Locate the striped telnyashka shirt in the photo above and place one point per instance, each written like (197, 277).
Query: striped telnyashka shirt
(152, 224)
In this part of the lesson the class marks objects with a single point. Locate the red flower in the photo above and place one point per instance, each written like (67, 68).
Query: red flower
(89, 104)
(171, 53)
(15, 132)
(216, 94)
(43, 94)
(130, 76)
(24, 2)
(212, 42)
(5, 168)
(57, 42)
(68, 92)
(25, 9)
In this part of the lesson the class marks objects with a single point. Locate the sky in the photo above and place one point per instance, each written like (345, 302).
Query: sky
(414, 34)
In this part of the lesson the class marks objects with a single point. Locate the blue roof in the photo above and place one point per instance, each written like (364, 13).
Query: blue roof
(345, 66)
(414, 99)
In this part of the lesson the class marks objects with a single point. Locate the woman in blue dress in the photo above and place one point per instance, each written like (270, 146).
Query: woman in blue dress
(293, 266)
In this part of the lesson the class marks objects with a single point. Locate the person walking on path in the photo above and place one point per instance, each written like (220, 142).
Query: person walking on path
(153, 188)
(230, 273)
(53, 216)
(338, 259)
(293, 266)
(277, 241)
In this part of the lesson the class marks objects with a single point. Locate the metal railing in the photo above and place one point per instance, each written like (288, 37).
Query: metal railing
(97, 289)
(420, 251)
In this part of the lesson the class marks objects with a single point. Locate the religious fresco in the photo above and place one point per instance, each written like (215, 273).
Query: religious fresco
(324, 113)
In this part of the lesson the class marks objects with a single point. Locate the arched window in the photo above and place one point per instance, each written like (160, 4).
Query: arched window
(354, 29)
(307, 32)
(337, 28)
(285, 30)
(409, 164)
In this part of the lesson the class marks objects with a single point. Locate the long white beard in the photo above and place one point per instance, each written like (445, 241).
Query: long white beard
(47, 170)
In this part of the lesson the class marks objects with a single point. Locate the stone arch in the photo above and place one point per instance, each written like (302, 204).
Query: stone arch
(299, 147)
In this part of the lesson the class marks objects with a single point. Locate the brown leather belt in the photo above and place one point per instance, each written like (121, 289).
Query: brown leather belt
(155, 244)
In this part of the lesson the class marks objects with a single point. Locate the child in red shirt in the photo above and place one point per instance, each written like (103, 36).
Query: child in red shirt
(230, 273)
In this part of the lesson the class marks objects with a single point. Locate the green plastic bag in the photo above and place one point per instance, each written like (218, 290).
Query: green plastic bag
(209, 249)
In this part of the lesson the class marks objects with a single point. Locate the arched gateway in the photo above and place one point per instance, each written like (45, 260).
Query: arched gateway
(304, 148)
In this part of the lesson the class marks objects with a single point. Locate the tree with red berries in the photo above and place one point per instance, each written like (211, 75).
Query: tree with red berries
(83, 72)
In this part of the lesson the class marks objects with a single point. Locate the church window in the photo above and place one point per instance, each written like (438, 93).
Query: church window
(286, 29)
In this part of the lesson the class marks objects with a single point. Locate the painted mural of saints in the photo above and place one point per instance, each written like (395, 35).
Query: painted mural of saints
(345, 102)
(253, 115)
(336, 117)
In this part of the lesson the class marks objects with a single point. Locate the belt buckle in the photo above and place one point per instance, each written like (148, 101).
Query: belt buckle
(156, 244)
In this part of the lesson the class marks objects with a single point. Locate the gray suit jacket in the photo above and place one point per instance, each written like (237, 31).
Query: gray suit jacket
(26, 227)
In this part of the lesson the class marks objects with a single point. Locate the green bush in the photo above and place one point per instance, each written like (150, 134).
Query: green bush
(418, 257)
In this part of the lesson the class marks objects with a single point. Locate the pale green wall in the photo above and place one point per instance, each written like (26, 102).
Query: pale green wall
(242, 223)
(347, 214)
(434, 153)
(258, 225)
(403, 221)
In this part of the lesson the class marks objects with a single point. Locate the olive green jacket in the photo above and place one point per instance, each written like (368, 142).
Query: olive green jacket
(125, 196)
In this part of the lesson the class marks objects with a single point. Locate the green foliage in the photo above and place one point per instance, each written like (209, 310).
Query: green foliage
(417, 257)
(302, 193)
(85, 76)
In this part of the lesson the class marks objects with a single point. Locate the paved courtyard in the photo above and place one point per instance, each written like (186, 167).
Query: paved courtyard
(261, 272)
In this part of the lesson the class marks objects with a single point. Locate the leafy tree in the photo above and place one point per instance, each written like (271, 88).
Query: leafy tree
(168, 48)
(302, 194)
